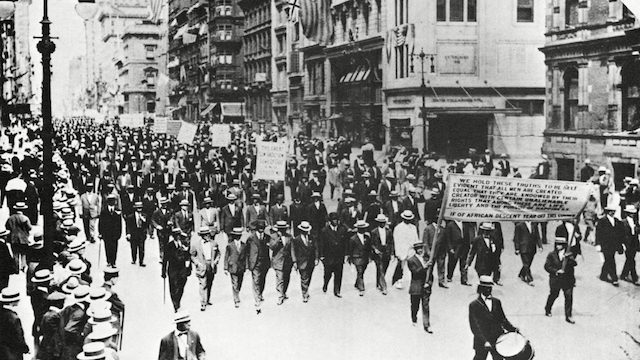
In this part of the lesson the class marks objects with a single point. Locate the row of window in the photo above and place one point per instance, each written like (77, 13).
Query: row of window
(257, 43)
(460, 11)
(259, 15)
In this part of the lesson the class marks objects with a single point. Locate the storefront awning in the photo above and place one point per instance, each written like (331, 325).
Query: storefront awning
(208, 109)
(232, 109)
(472, 110)
(359, 74)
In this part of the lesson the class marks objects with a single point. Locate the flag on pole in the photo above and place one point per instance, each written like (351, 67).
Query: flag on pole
(293, 13)
(316, 20)
(155, 9)
(633, 6)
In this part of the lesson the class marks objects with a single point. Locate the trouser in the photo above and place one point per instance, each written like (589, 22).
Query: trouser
(305, 279)
(398, 274)
(163, 239)
(455, 258)
(4, 281)
(282, 280)
(498, 266)
(543, 231)
(150, 226)
(360, 269)
(416, 301)
(382, 264)
(176, 289)
(89, 225)
(258, 275)
(205, 283)
(236, 285)
(609, 267)
(525, 272)
(440, 259)
(335, 270)
(137, 249)
(111, 250)
(481, 354)
(568, 299)
(630, 267)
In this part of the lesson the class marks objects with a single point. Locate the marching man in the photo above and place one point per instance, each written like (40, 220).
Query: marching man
(205, 255)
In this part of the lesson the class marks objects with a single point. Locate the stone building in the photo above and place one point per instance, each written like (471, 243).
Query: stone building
(484, 76)
(592, 53)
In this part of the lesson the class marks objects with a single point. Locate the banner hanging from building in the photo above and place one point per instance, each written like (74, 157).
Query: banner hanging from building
(160, 124)
(220, 135)
(485, 198)
(187, 133)
(271, 160)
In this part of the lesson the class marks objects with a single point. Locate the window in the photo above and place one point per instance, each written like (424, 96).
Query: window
(225, 57)
(631, 96)
(224, 32)
(570, 98)
(525, 11)
(150, 76)
(402, 61)
(441, 11)
(471, 10)
(529, 107)
(151, 106)
(571, 12)
(457, 10)
(316, 77)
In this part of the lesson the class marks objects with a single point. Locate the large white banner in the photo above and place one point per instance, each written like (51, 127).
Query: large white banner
(187, 133)
(271, 160)
(160, 124)
(486, 198)
(132, 120)
(173, 127)
(220, 135)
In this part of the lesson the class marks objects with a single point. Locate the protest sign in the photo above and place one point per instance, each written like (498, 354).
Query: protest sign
(220, 135)
(132, 120)
(160, 124)
(173, 127)
(485, 198)
(187, 133)
(270, 161)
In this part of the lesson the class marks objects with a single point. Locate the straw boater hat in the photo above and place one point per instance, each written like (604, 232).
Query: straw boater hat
(486, 280)
(610, 207)
(70, 285)
(561, 240)
(102, 332)
(181, 317)
(163, 200)
(204, 230)
(20, 205)
(630, 209)
(231, 196)
(101, 315)
(137, 205)
(207, 200)
(373, 193)
(184, 203)
(305, 226)
(9, 295)
(237, 231)
(42, 276)
(393, 194)
(98, 294)
(81, 293)
(316, 195)
(407, 215)
(92, 351)
(381, 218)
(487, 226)
(76, 245)
(418, 245)
(361, 224)
(76, 267)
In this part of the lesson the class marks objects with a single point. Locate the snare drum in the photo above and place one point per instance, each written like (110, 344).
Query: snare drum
(513, 346)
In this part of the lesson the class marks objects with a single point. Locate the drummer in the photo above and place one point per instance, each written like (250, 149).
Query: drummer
(487, 321)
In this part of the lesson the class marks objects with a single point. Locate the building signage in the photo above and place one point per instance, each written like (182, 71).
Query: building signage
(457, 58)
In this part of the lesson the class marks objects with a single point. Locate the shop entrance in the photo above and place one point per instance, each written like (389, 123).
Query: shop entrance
(453, 134)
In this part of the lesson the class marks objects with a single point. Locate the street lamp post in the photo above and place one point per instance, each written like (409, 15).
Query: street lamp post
(423, 90)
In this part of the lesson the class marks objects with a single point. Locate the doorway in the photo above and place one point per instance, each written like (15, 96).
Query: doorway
(566, 169)
(453, 134)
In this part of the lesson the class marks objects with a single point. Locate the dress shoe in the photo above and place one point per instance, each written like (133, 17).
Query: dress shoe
(202, 307)
(338, 295)
(414, 324)
(570, 320)
(133, 262)
(443, 285)
(547, 313)
(143, 265)
(324, 289)
(361, 293)
(616, 284)
(286, 297)
(449, 280)
(258, 311)
(465, 284)
(428, 330)
(280, 301)
(530, 283)
(384, 292)
(209, 302)
(305, 300)
(498, 282)
(237, 305)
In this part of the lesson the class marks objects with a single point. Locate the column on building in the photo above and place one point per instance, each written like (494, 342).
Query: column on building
(583, 92)
(557, 18)
(583, 11)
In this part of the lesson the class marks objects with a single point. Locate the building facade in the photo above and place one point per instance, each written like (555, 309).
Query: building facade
(257, 61)
(483, 76)
(592, 53)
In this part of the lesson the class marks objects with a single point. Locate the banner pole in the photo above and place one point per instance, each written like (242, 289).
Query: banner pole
(432, 256)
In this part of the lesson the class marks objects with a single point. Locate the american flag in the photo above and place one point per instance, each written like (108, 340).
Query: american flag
(155, 10)
(316, 20)
(294, 11)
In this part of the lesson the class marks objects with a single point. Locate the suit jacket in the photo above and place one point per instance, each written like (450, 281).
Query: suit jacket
(136, 232)
(317, 216)
(564, 280)
(278, 213)
(428, 239)
(418, 275)
(348, 220)
(149, 204)
(630, 240)
(432, 209)
(12, 343)
(393, 216)
(408, 205)
(110, 225)
(487, 260)
(228, 221)
(20, 226)
(127, 203)
(90, 205)
(359, 252)
(332, 245)
(459, 240)
(384, 190)
(486, 325)
(298, 214)
(169, 347)
(280, 251)
(609, 237)
(382, 251)
(257, 249)
(177, 259)
(304, 255)
(235, 260)
(253, 215)
(209, 217)
(198, 259)
(7, 263)
(185, 223)
(160, 219)
(524, 241)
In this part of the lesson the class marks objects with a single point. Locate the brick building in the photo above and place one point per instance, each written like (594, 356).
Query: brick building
(592, 54)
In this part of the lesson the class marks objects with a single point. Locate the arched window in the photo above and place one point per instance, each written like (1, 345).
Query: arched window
(631, 96)
(570, 97)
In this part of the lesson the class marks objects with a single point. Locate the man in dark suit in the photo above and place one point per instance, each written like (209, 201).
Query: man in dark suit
(504, 165)
(420, 287)
(587, 172)
(235, 262)
(457, 236)
(437, 254)
(526, 240)
(385, 187)
(231, 215)
(411, 203)
(332, 249)
(40, 280)
(316, 214)
(258, 261)
(280, 245)
(186, 194)
(278, 212)
(137, 233)
(631, 245)
(498, 239)
(487, 321)
(110, 229)
(609, 236)
(128, 198)
(161, 221)
(256, 211)
(392, 209)
(177, 264)
(485, 248)
(7, 264)
(298, 214)
(183, 218)
(359, 252)
(182, 343)
(12, 342)
(432, 206)
(304, 253)
(560, 265)
(383, 250)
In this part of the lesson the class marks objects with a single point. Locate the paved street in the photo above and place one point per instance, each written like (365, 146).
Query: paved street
(375, 326)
